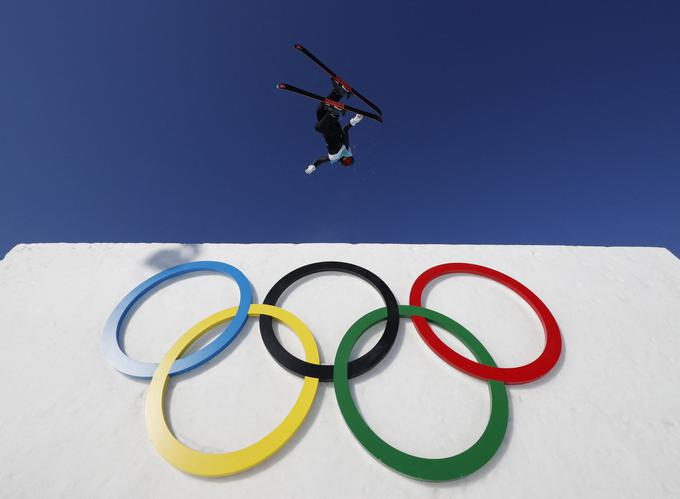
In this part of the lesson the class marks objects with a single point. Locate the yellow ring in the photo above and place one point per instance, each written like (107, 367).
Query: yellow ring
(213, 465)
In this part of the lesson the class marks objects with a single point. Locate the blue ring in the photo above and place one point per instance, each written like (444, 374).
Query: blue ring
(112, 335)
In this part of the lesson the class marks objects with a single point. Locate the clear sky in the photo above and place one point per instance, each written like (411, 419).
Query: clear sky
(505, 122)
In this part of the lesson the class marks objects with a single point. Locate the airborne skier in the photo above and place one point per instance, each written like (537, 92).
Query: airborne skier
(328, 115)
(337, 137)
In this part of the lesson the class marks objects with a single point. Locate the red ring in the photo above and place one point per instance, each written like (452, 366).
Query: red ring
(510, 375)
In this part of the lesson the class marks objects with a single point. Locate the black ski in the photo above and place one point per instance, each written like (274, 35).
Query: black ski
(339, 80)
(329, 102)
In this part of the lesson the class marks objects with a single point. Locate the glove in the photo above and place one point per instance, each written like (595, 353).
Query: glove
(310, 169)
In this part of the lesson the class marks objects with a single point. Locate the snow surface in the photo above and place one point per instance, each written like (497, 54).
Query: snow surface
(604, 423)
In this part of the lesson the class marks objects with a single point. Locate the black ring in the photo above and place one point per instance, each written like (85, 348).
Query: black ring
(325, 372)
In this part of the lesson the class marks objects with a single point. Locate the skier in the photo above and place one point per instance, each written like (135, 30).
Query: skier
(337, 137)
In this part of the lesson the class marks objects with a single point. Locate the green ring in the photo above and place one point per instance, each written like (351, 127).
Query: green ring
(448, 468)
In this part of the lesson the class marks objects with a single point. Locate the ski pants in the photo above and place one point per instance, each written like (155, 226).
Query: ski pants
(328, 124)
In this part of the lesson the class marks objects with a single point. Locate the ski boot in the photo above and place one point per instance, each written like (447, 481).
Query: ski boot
(339, 89)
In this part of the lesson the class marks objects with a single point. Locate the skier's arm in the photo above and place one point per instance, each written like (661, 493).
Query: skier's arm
(345, 132)
(352, 123)
(321, 160)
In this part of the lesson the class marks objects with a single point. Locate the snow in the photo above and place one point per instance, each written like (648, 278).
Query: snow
(604, 423)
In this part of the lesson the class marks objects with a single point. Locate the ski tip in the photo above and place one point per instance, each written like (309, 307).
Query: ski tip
(281, 86)
(298, 46)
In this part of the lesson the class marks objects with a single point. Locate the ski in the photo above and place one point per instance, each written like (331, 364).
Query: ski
(329, 102)
(339, 80)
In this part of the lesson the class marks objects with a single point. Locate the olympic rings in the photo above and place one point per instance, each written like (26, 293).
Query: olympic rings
(448, 468)
(325, 372)
(228, 463)
(112, 335)
(511, 375)
(212, 465)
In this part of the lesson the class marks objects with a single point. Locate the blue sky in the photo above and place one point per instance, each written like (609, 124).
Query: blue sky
(505, 122)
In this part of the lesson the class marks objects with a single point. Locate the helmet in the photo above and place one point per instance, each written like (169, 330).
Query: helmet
(347, 160)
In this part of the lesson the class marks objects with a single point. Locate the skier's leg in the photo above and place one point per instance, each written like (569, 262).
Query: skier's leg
(329, 126)
(345, 135)
(325, 124)
(352, 123)
(338, 89)
(322, 110)
(335, 95)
